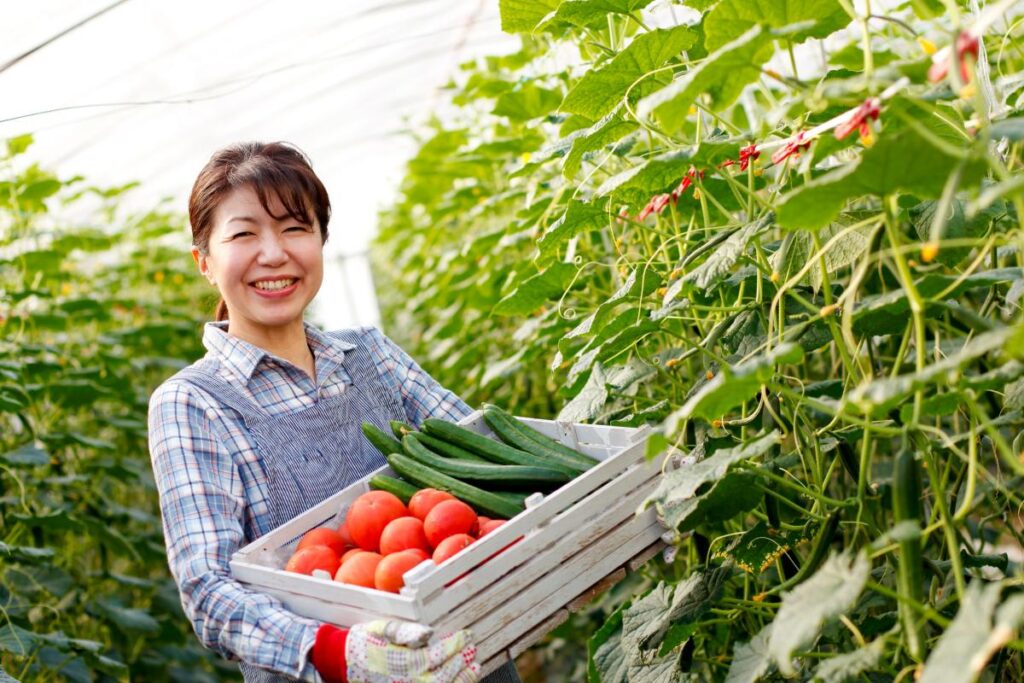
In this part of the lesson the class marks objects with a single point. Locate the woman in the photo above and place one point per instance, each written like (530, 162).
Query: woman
(267, 424)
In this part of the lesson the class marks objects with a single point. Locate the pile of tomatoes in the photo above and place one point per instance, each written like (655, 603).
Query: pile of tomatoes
(381, 538)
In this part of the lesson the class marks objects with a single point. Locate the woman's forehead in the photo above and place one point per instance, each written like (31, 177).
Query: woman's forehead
(244, 202)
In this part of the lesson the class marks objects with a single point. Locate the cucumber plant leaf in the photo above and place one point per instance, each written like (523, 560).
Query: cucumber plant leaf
(535, 291)
(728, 19)
(849, 665)
(601, 90)
(751, 660)
(522, 16)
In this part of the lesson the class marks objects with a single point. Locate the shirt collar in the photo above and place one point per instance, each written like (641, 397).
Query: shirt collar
(242, 358)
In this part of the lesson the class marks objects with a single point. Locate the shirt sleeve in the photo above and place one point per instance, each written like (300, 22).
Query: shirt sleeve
(202, 502)
(422, 395)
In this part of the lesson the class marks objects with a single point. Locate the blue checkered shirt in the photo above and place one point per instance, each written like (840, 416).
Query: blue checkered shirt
(213, 487)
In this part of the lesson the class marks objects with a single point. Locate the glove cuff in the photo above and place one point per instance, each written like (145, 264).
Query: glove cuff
(329, 653)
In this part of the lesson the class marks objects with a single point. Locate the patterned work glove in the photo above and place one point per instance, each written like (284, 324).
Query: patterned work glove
(384, 651)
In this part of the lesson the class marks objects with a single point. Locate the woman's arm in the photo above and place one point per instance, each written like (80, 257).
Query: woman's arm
(422, 395)
(202, 502)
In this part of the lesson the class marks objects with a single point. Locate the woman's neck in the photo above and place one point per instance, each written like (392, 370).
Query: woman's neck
(288, 343)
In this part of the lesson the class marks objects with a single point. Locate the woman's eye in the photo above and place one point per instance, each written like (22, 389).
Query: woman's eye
(298, 228)
(240, 234)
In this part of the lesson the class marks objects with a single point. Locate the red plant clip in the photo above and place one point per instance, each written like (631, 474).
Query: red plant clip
(869, 110)
(747, 155)
(656, 205)
(966, 44)
(797, 144)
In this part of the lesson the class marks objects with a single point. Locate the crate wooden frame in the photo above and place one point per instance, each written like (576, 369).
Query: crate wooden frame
(559, 547)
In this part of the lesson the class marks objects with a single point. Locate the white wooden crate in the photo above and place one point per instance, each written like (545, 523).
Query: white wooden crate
(568, 541)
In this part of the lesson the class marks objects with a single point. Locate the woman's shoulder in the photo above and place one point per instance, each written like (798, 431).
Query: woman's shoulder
(178, 390)
(359, 335)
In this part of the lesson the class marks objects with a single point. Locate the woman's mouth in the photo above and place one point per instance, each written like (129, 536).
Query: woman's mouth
(274, 289)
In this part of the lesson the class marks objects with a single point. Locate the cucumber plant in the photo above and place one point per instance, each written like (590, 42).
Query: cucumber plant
(787, 235)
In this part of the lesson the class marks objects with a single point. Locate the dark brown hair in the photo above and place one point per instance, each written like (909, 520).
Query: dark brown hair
(272, 168)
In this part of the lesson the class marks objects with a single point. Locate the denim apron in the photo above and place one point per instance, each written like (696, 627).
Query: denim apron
(311, 454)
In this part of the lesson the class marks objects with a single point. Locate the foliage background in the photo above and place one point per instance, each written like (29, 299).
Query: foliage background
(93, 316)
(600, 233)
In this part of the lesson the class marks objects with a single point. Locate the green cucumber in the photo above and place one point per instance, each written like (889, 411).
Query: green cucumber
(403, 489)
(380, 439)
(493, 450)
(518, 434)
(481, 472)
(483, 501)
(400, 429)
(906, 506)
(447, 450)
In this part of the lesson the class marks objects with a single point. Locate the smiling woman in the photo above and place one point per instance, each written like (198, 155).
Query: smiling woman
(268, 424)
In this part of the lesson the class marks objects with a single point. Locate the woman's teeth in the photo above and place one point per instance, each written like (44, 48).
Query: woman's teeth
(274, 285)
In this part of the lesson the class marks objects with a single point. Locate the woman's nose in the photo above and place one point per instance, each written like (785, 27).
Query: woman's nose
(272, 250)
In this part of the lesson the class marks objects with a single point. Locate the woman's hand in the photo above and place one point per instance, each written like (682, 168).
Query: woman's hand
(382, 651)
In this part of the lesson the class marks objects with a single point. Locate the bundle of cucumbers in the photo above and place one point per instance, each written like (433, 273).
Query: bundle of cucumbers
(493, 476)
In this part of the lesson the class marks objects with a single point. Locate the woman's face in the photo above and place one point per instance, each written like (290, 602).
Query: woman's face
(267, 270)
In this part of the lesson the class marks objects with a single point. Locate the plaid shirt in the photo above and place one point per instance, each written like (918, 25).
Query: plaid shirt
(214, 489)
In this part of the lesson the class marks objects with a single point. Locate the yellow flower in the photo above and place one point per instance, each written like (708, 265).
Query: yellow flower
(929, 251)
(178, 279)
(927, 46)
(158, 276)
(65, 288)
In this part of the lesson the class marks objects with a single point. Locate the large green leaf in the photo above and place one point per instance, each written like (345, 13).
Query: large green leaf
(537, 290)
(849, 665)
(527, 102)
(604, 132)
(587, 404)
(721, 261)
(601, 90)
(751, 660)
(522, 16)
(901, 161)
(578, 217)
(588, 13)
(676, 497)
(831, 591)
(735, 384)
(730, 18)
(849, 244)
(721, 77)
(974, 636)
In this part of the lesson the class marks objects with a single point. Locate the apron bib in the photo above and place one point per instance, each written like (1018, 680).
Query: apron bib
(311, 454)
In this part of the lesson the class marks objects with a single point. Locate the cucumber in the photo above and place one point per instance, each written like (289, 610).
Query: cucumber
(493, 450)
(447, 450)
(483, 501)
(403, 489)
(906, 505)
(400, 429)
(515, 433)
(481, 472)
(380, 439)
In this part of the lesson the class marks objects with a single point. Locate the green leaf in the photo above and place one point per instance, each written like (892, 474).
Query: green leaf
(527, 102)
(721, 261)
(588, 13)
(28, 455)
(601, 89)
(587, 404)
(17, 640)
(537, 290)
(848, 666)
(831, 591)
(841, 253)
(899, 161)
(25, 554)
(735, 384)
(731, 18)
(648, 619)
(957, 225)
(578, 217)
(734, 494)
(1008, 129)
(759, 547)
(522, 16)
(607, 659)
(972, 638)
(721, 76)
(676, 497)
(606, 131)
(751, 660)
(18, 144)
(129, 619)
(663, 171)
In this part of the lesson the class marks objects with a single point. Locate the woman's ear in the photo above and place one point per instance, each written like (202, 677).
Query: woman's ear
(204, 266)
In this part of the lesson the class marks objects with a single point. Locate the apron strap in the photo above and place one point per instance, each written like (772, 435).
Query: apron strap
(363, 371)
(225, 392)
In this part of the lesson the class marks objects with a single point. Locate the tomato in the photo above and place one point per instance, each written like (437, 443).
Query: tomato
(451, 546)
(489, 526)
(447, 518)
(323, 536)
(402, 534)
(368, 516)
(350, 552)
(424, 500)
(388, 576)
(307, 560)
(345, 535)
(358, 569)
